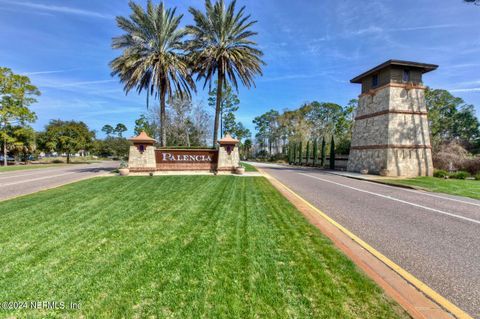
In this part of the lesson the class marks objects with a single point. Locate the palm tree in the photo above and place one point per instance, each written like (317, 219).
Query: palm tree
(153, 58)
(221, 44)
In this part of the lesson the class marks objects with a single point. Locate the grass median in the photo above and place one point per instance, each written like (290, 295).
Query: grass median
(177, 247)
(249, 167)
(459, 187)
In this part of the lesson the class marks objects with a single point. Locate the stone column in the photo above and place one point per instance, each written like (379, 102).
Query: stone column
(228, 154)
(141, 157)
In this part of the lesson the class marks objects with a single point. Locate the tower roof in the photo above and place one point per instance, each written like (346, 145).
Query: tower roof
(424, 67)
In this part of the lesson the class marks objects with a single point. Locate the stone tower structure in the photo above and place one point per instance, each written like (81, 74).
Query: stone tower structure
(391, 136)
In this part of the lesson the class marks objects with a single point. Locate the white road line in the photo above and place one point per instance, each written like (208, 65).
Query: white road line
(395, 199)
(36, 179)
(36, 172)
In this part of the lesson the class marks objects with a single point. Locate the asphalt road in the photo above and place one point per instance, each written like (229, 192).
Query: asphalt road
(435, 237)
(23, 182)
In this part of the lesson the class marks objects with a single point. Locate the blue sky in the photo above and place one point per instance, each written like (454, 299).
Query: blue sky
(312, 49)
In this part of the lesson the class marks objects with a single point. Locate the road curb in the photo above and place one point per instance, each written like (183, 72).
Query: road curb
(419, 300)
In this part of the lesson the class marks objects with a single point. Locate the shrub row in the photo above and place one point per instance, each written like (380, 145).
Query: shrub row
(440, 173)
(453, 157)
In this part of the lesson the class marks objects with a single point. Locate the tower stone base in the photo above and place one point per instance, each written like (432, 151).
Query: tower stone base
(392, 162)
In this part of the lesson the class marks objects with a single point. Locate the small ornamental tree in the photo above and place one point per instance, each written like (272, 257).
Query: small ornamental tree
(247, 145)
(300, 154)
(68, 137)
(290, 158)
(117, 147)
(323, 154)
(315, 152)
(293, 147)
(332, 153)
(24, 142)
(295, 154)
(308, 153)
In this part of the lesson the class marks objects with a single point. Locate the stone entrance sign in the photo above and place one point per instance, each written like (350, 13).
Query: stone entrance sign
(391, 136)
(143, 157)
(186, 159)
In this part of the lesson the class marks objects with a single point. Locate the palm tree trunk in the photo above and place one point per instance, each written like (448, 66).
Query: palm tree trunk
(218, 106)
(163, 118)
(221, 121)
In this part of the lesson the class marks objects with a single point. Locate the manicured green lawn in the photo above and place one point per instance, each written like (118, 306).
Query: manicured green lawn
(176, 247)
(249, 168)
(25, 167)
(467, 188)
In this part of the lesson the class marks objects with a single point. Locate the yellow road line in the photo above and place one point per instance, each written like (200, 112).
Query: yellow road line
(439, 299)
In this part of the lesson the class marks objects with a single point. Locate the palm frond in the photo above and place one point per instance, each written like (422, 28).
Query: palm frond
(152, 57)
(221, 41)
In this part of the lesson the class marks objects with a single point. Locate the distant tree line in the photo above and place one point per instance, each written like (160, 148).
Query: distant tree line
(312, 121)
(450, 120)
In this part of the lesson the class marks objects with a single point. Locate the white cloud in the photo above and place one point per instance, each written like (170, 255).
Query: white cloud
(47, 72)
(466, 90)
(59, 9)
(428, 27)
(378, 30)
(369, 30)
(84, 83)
(288, 77)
